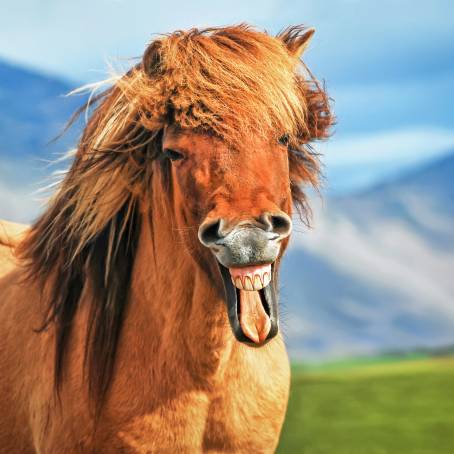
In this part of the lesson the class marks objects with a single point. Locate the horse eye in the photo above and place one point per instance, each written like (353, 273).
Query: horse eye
(283, 140)
(173, 155)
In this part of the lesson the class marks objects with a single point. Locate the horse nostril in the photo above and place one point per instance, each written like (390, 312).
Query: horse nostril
(278, 223)
(210, 232)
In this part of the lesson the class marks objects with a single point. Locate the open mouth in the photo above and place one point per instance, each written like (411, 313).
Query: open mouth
(251, 302)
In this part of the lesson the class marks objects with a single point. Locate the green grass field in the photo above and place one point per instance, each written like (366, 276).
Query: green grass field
(382, 406)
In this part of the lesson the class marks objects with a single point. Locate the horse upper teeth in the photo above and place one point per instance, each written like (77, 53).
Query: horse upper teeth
(247, 283)
(253, 282)
(266, 279)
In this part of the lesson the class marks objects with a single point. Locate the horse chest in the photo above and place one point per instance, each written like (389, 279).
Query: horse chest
(242, 412)
(247, 413)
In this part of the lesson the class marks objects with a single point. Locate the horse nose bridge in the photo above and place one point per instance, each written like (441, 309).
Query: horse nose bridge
(276, 222)
(245, 196)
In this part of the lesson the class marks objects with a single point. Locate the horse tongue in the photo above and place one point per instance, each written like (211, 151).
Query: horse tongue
(254, 321)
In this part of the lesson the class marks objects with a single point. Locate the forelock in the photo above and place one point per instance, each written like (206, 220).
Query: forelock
(231, 81)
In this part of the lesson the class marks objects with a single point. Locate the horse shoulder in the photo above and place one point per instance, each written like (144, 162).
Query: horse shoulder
(22, 352)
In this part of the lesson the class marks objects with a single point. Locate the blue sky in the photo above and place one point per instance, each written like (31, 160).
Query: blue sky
(388, 65)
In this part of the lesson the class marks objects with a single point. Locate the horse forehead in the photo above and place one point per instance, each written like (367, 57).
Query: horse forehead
(215, 147)
(213, 159)
(239, 166)
(251, 157)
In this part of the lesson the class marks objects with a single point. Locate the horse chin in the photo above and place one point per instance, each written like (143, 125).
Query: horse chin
(253, 315)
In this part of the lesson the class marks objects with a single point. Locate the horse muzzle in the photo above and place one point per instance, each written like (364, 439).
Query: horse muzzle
(246, 256)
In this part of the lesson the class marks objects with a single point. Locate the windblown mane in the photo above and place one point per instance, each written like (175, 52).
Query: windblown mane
(230, 82)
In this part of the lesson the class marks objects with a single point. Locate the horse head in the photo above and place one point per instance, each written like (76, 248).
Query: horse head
(240, 200)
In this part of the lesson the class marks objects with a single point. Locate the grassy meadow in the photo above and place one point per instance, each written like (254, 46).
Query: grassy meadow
(378, 406)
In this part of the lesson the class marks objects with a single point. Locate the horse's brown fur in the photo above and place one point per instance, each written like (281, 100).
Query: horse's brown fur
(112, 273)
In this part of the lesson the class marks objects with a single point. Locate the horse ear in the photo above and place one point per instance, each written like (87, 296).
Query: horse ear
(152, 58)
(297, 39)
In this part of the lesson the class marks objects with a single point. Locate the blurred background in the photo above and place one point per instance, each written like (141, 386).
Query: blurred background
(368, 291)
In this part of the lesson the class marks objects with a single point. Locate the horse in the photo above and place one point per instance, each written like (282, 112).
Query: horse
(139, 313)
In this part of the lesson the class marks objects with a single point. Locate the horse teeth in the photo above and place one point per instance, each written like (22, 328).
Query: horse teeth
(238, 283)
(248, 283)
(266, 279)
(251, 279)
(257, 282)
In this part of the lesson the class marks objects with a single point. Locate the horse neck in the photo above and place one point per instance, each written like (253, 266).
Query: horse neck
(181, 313)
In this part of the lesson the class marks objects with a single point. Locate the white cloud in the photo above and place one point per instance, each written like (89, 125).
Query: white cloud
(16, 204)
(356, 161)
(407, 145)
(19, 183)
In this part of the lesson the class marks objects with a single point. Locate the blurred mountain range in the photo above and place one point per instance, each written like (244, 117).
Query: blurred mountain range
(374, 274)
(33, 112)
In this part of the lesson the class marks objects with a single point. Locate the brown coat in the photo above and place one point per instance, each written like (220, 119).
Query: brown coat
(182, 382)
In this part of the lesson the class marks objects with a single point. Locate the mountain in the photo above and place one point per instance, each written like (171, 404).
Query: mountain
(33, 111)
(376, 272)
